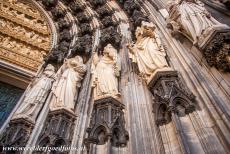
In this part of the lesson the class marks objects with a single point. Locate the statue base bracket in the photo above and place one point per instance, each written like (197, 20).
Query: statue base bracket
(215, 44)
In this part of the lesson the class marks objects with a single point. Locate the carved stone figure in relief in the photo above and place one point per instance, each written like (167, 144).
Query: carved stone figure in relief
(68, 82)
(192, 18)
(36, 95)
(148, 51)
(105, 72)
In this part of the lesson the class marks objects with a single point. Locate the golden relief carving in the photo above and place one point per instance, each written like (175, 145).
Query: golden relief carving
(24, 35)
(25, 9)
(21, 19)
(20, 48)
(18, 59)
(18, 32)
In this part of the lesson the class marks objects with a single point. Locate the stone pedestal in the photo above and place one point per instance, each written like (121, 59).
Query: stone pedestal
(18, 133)
(215, 44)
(58, 130)
(107, 124)
(170, 94)
(172, 99)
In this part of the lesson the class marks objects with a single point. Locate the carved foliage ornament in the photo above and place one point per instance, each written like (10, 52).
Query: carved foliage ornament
(83, 45)
(135, 14)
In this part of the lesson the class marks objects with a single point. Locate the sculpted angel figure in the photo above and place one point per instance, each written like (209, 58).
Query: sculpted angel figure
(67, 84)
(105, 72)
(36, 95)
(192, 18)
(148, 51)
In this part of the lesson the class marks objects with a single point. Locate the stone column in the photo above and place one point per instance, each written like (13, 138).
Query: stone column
(180, 131)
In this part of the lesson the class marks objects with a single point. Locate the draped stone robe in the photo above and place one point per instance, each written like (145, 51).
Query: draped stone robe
(148, 51)
(68, 82)
(105, 73)
(36, 95)
(193, 18)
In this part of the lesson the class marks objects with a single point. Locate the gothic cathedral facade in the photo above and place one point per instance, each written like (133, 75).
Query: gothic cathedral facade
(114, 76)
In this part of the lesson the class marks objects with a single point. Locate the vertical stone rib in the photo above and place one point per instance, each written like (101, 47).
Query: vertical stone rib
(181, 134)
(85, 103)
(137, 99)
(204, 134)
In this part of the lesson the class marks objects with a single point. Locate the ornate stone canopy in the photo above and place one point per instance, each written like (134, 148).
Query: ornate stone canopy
(24, 34)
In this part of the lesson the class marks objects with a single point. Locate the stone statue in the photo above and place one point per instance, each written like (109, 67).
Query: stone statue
(105, 72)
(191, 18)
(67, 84)
(36, 95)
(148, 51)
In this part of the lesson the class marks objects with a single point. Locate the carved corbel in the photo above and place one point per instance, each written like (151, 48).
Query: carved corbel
(107, 124)
(216, 48)
(170, 94)
(18, 133)
(58, 129)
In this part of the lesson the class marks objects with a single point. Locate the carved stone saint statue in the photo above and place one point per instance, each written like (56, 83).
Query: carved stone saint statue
(105, 72)
(192, 19)
(36, 95)
(148, 51)
(68, 81)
